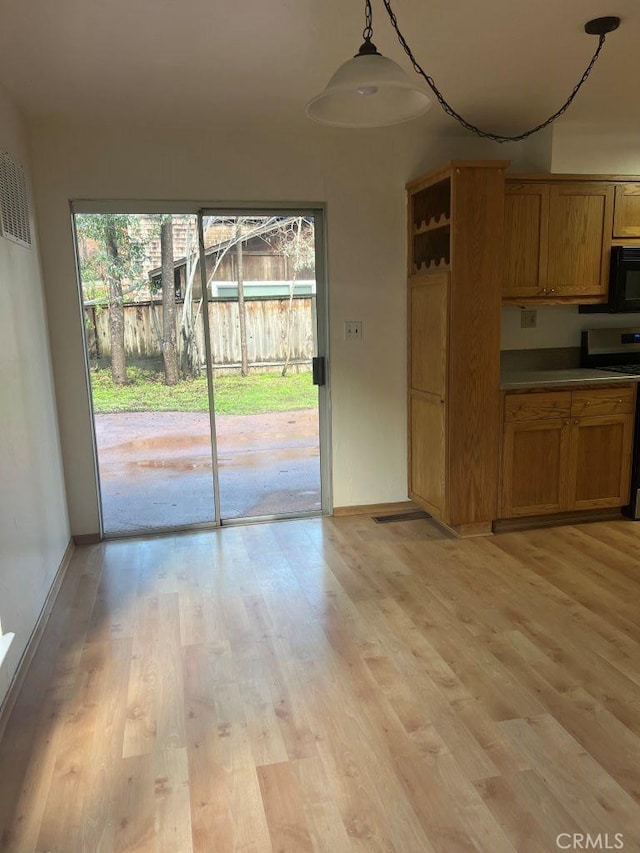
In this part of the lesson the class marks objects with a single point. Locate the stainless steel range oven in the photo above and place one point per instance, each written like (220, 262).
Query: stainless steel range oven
(618, 350)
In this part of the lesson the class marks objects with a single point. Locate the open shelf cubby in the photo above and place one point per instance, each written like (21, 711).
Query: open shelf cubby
(431, 206)
(431, 249)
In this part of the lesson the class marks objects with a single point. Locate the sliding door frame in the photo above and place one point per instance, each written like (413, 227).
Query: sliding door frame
(200, 209)
(322, 339)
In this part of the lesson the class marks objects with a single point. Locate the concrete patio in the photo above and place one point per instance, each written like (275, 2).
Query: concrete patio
(155, 467)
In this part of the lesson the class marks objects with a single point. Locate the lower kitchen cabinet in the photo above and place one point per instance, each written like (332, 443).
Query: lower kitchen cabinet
(600, 461)
(427, 465)
(555, 459)
(535, 467)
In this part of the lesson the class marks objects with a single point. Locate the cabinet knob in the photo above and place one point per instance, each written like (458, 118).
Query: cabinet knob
(553, 290)
(575, 422)
(566, 423)
(588, 403)
(619, 401)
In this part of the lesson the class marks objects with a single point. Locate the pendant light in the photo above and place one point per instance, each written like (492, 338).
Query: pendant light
(372, 91)
(368, 90)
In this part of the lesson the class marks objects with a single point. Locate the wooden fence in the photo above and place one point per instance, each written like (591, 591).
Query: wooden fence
(267, 322)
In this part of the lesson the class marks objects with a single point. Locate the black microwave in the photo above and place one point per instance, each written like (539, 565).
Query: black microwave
(624, 283)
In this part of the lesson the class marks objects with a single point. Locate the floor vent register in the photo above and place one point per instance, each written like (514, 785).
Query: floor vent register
(412, 515)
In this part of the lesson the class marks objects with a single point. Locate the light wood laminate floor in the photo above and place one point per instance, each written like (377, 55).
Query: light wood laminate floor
(334, 685)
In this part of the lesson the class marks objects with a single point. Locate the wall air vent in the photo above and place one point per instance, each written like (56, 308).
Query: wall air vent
(14, 201)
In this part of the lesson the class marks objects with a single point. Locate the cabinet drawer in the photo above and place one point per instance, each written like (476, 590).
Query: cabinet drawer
(605, 401)
(537, 406)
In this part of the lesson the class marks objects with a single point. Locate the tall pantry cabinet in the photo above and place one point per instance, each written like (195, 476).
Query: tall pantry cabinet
(454, 301)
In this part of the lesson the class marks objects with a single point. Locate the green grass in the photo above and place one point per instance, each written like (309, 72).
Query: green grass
(257, 393)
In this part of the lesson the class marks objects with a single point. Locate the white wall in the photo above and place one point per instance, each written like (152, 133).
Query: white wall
(360, 175)
(34, 529)
(558, 326)
(597, 149)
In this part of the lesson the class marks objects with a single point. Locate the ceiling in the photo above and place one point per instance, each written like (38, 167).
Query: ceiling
(501, 63)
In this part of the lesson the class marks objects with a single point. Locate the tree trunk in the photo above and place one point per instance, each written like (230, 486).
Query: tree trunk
(190, 360)
(242, 313)
(189, 357)
(169, 342)
(287, 359)
(116, 310)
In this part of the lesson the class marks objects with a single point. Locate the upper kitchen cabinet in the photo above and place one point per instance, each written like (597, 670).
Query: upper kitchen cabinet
(526, 238)
(626, 217)
(557, 241)
(580, 224)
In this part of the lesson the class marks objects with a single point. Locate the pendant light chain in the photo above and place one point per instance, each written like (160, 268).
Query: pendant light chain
(367, 33)
(496, 137)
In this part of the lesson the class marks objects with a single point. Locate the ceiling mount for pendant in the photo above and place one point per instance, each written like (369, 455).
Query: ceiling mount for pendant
(602, 26)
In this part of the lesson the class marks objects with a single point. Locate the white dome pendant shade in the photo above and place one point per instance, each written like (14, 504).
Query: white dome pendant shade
(368, 91)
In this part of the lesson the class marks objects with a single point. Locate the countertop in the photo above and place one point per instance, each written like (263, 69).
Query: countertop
(513, 379)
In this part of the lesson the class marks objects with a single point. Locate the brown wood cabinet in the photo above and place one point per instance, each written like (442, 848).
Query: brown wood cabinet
(626, 218)
(535, 467)
(566, 450)
(557, 241)
(454, 262)
(427, 473)
(428, 318)
(526, 239)
(476, 237)
(600, 461)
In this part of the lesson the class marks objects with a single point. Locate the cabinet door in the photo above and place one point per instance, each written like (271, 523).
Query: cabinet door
(626, 216)
(526, 231)
(428, 300)
(600, 466)
(535, 467)
(427, 452)
(580, 223)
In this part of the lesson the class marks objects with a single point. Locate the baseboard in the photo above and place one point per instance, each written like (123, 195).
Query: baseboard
(376, 509)
(469, 531)
(87, 539)
(36, 635)
(530, 522)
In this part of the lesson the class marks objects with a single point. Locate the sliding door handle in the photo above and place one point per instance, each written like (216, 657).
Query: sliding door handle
(318, 367)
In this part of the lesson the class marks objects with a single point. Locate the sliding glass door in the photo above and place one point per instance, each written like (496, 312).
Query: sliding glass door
(204, 336)
(263, 292)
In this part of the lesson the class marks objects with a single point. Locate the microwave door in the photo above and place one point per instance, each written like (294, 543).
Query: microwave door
(629, 280)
